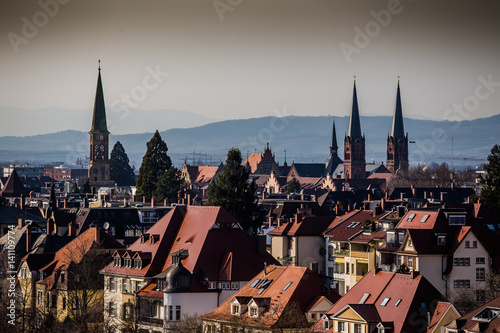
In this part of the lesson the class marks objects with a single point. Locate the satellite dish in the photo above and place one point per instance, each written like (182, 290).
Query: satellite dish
(106, 226)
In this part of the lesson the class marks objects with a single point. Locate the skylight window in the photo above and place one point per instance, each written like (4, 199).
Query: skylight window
(491, 226)
(260, 291)
(385, 301)
(426, 216)
(254, 283)
(364, 298)
(397, 302)
(410, 218)
(287, 285)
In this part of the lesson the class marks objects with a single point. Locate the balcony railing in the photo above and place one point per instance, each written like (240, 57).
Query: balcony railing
(151, 321)
(341, 252)
(359, 254)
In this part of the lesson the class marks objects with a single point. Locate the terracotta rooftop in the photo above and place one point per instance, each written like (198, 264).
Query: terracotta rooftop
(485, 319)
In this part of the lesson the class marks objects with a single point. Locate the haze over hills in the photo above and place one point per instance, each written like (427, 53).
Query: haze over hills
(120, 120)
(305, 139)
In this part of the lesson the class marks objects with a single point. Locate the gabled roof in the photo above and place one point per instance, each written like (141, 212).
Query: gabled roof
(13, 187)
(471, 321)
(343, 228)
(253, 159)
(274, 289)
(309, 226)
(368, 312)
(310, 170)
(399, 299)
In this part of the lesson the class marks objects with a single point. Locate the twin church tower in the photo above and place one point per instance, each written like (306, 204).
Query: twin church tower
(354, 142)
(354, 163)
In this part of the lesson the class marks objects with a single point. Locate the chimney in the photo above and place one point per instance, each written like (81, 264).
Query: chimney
(97, 234)
(23, 202)
(28, 238)
(401, 196)
(153, 202)
(444, 197)
(72, 229)
(414, 274)
(401, 211)
(188, 197)
(264, 195)
(165, 202)
(337, 209)
(261, 245)
(58, 203)
(369, 197)
(413, 191)
(376, 270)
(143, 199)
(65, 203)
(302, 197)
(313, 266)
(102, 203)
(20, 223)
(425, 195)
(382, 203)
(50, 227)
(386, 195)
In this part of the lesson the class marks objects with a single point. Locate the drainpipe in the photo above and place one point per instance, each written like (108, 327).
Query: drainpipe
(442, 278)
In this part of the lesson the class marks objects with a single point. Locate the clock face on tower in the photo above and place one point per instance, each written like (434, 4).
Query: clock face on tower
(96, 172)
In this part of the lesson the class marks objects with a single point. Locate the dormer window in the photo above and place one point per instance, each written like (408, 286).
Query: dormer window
(326, 324)
(128, 263)
(235, 309)
(118, 262)
(441, 240)
(138, 264)
(456, 219)
(253, 312)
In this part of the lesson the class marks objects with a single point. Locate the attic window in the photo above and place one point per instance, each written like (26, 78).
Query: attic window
(397, 302)
(128, 263)
(138, 264)
(410, 218)
(364, 298)
(426, 216)
(287, 285)
(385, 301)
(118, 262)
(441, 240)
(254, 312)
(235, 309)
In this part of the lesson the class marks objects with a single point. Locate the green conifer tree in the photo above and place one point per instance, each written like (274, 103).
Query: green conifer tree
(490, 180)
(119, 166)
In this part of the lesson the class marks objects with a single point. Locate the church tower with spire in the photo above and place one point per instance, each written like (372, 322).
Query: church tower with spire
(99, 141)
(333, 161)
(397, 141)
(354, 144)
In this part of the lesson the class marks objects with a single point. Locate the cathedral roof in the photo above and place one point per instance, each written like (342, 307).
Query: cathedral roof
(398, 129)
(354, 122)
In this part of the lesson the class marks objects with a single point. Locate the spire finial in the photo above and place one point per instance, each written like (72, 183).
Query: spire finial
(355, 77)
(99, 64)
(398, 78)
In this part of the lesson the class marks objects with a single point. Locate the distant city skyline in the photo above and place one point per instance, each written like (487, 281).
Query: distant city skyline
(241, 59)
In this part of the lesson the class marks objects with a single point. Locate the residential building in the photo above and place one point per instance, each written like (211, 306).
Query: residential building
(485, 319)
(389, 302)
(277, 299)
(352, 240)
(69, 285)
(301, 242)
(191, 260)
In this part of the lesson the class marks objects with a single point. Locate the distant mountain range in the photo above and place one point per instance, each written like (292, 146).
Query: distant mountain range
(305, 139)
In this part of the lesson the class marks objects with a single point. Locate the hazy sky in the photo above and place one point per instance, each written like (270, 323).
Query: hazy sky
(229, 59)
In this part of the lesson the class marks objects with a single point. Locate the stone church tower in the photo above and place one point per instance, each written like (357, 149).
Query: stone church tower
(99, 142)
(354, 145)
(397, 142)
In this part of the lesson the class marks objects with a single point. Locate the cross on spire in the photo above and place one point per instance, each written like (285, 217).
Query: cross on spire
(99, 64)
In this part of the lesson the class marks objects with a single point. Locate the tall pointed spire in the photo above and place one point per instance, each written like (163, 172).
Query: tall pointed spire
(398, 129)
(354, 122)
(99, 115)
(333, 144)
(52, 199)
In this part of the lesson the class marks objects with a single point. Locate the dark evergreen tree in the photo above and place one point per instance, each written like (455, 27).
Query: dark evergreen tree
(86, 187)
(120, 170)
(168, 185)
(232, 191)
(490, 180)
(293, 186)
(154, 163)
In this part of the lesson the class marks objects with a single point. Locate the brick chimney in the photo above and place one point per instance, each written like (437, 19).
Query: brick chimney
(153, 202)
(264, 195)
(20, 223)
(23, 202)
(58, 203)
(65, 203)
(143, 199)
(382, 203)
(50, 227)
(413, 191)
(297, 218)
(72, 229)
(165, 202)
(28, 238)
(97, 234)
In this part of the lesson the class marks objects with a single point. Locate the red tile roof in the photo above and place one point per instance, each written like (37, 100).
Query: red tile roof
(471, 323)
(305, 287)
(341, 229)
(309, 226)
(253, 159)
(408, 293)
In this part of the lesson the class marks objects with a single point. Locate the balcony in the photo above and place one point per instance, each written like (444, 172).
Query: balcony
(341, 252)
(340, 276)
(144, 320)
(359, 254)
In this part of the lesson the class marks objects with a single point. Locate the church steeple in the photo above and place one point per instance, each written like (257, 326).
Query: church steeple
(333, 144)
(354, 122)
(99, 115)
(398, 129)
(397, 142)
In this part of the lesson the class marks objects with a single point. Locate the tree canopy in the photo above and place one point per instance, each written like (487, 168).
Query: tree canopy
(232, 191)
(119, 166)
(168, 185)
(293, 186)
(154, 163)
(490, 180)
